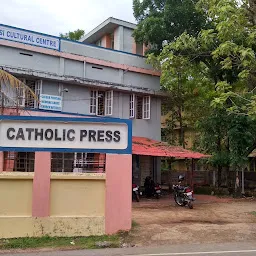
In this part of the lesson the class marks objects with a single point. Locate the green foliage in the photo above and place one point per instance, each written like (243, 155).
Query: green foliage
(73, 35)
(203, 190)
(135, 224)
(228, 137)
(160, 20)
(211, 76)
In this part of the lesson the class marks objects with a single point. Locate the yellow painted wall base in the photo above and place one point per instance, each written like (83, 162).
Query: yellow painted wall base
(11, 227)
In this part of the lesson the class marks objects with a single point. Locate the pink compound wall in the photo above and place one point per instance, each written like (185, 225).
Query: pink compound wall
(118, 215)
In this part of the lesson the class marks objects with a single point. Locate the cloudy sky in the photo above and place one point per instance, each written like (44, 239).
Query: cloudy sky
(55, 16)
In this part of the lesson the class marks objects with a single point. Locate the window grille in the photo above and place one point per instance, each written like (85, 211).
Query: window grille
(101, 103)
(19, 161)
(139, 107)
(78, 162)
(25, 98)
(143, 106)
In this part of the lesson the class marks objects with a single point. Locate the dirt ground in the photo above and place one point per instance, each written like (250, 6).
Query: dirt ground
(213, 220)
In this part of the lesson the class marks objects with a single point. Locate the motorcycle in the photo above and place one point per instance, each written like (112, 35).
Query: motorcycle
(183, 196)
(157, 191)
(135, 192)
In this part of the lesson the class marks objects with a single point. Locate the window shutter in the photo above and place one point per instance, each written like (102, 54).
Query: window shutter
(109, 103)
(94, 102)
(132, 105)
(146, 107)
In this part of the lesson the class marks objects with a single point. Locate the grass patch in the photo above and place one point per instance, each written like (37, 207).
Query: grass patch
(59, 242)
(254, 213)
(135, 224)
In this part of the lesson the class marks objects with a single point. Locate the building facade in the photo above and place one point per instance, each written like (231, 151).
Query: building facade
(103, 75)
(105, 78)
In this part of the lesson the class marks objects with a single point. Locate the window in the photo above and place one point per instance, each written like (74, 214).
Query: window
(132, 106)
(62, 162)
(146, 107)
(25, 98)
(142, 110)
(139, 107)
(112, 40)
(93, 102)
(109, 103)
(78, 162)
(99, 43)
(19, 161)
(101, 103)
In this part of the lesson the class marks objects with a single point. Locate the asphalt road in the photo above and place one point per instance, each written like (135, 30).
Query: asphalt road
(228, 249)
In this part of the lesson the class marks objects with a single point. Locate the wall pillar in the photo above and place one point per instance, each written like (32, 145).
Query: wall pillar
(41, 185)
(104, 41)
(108, 41)
(1, 161)
(145, 48)
(118, 211)
(134, 47)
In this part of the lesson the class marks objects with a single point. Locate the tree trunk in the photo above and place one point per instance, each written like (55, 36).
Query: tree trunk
(180, 117)
(252, 11)
(237, 185)
(214, 178)
(181, 130)
(243, 181)
(219, 175)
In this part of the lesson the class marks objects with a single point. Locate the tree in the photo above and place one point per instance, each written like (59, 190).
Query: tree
(227, 137)
(223, 58)
(73, 35)
(9, 88)
(165, 20)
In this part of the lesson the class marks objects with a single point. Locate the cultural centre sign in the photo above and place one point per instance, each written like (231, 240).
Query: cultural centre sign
(29, 37)
(65, 134)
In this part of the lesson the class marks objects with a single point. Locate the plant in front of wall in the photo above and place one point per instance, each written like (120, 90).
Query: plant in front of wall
(12, 91)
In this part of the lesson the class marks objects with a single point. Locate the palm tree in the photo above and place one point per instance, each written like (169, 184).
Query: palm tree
(10, 91)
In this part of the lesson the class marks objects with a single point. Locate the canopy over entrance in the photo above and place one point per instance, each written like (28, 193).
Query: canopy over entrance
(148, 147)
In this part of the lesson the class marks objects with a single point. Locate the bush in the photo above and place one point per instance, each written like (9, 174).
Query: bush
(203, 190)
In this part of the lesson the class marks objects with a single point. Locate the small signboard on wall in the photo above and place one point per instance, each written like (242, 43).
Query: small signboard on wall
(64, 134)
(50, 102)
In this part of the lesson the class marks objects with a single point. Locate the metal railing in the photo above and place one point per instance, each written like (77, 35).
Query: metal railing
(19, 161)
(78, 162)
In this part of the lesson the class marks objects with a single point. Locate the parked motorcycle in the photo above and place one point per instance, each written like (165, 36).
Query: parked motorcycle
(152, 189)
(183, 195)
(135, 192)
(157, 191)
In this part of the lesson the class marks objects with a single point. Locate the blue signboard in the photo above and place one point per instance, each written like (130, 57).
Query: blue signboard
(65, 134)
(29, 37)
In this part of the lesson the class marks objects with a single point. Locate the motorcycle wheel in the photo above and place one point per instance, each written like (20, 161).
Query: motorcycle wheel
(190, 205)
(137, 198)
(177, 201)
